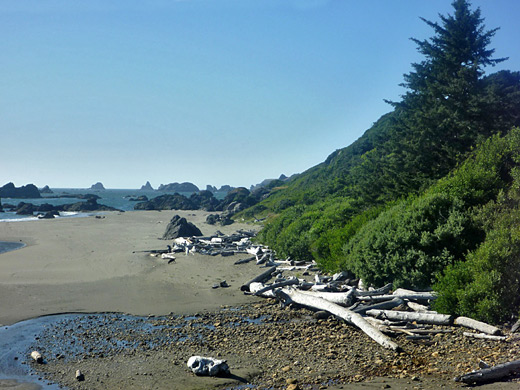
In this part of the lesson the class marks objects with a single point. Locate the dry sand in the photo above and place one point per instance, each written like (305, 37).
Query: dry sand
(95, 265)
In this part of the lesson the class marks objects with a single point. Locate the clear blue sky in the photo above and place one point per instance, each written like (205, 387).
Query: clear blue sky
(208, 91)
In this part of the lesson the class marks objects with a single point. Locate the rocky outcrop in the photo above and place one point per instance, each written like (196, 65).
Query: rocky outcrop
(98, 186)
(226, 188)
(211, 188)
(24, 192)
(147, 187)
(90, 205)
(25, 209)
(178, 187)
(180, 227)
(46, 190)
(214, 219)
(167, 202)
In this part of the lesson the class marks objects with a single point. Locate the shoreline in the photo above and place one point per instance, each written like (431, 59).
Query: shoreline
(92, 269)
(95, 265)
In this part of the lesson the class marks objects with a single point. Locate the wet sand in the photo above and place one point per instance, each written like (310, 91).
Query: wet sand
(96, 265)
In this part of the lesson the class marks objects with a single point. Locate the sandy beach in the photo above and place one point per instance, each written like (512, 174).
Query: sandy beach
(101, 265)
(97, 265)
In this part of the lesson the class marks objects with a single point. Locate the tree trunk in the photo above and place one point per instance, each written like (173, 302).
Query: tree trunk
(420, 318)
(490, 374)
(385, 305)
(317, 303)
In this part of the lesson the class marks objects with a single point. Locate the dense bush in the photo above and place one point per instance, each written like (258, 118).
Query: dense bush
(486, 285)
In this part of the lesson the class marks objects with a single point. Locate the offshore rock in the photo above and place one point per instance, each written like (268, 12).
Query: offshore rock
(46, 190)
(147, 187)
(178, 187)
(97, 186)
(24, 192)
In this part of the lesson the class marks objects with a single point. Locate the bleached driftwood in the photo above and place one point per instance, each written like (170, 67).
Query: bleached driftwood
(385, 305)
(37, 356)
(476, 325)
(378, 291)
(490, 374)
(418, 307)
(79, 376)
(484, 336)
(339, 298)
(420, 318)
(289, 295)
(288, 282)
(260, 278)
(201, 365)
(402, 295)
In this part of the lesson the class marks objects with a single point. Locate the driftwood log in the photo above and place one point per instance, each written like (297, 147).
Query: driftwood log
(476, 325)
(384, 305)
(260, 278)
(420, 318)
(490, 374)
(294, 296)
(288, 282)
(484, 336)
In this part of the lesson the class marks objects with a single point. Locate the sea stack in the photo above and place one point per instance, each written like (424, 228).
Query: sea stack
(97, 186)
(147, 187)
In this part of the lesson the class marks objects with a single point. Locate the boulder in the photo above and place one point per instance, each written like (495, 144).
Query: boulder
(25, 209)
(48, 215)
(180, 227)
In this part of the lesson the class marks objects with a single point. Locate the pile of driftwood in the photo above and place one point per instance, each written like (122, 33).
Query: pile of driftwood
(379, 312)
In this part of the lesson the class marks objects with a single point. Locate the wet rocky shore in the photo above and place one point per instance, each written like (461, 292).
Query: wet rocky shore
(266, 346)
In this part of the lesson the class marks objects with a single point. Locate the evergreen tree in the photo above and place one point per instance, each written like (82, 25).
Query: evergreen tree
(445, 110)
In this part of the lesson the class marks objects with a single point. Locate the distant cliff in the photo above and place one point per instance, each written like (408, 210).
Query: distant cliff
(28, 191)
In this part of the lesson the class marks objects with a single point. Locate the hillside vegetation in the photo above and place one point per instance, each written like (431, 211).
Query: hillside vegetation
(429, 195)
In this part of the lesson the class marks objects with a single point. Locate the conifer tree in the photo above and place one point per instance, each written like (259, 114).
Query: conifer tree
(444, 110)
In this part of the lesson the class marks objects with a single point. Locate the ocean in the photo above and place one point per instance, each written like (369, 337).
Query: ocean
(120, 199)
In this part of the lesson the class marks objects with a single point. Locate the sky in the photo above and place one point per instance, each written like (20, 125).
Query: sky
(205, 91)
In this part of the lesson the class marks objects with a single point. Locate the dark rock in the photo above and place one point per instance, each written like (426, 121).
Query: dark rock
(90, 205)
(98, 186)
(226, 188)
(204, 200)
(25, 209)
(45, 207)
(179, 187)
(147, 187)
(24, 192)
(48, 215)
(212, 219)
(46, 190)
(180, 227)
(211, 188)
(167, 202)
